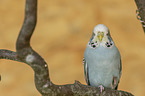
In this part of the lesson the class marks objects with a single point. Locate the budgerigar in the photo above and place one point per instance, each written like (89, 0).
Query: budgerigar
(102, 60)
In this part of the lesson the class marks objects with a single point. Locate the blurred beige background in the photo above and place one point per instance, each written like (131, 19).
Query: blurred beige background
(63, 29)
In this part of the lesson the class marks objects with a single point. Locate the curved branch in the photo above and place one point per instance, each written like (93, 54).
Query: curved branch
(28, 25)
(24, 50)
(43, 83)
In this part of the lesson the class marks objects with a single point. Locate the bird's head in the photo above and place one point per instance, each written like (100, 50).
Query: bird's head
(101, 36)
(101, 32)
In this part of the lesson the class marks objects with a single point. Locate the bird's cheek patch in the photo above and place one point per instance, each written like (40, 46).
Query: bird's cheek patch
(109, 44)
(93, 45)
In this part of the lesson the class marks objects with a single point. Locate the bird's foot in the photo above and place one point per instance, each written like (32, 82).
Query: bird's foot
(101, 88)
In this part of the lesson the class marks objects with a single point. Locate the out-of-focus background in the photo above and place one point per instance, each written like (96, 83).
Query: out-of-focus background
(63, 29)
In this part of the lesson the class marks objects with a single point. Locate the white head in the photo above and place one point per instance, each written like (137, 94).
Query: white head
(101, 28)
(101, 36)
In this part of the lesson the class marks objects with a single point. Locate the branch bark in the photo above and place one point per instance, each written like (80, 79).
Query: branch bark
(141, 9)
(24, 53)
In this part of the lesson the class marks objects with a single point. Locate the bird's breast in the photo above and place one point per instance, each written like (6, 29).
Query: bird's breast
(102, 56)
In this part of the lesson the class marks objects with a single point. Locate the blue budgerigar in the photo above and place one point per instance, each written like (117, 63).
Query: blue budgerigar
(102, 60)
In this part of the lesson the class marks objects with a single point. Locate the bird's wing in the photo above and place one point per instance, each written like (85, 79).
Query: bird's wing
(86, 71)
(116, 79)
(120, 68)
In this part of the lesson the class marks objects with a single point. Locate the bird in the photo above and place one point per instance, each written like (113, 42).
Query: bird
(102, 60)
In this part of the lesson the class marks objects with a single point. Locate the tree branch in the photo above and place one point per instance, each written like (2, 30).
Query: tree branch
(6, 54)
(24, 50)
(141, 9)
(28, 25)
(24, 53)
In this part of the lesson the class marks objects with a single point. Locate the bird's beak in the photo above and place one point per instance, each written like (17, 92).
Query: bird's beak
(100, 36)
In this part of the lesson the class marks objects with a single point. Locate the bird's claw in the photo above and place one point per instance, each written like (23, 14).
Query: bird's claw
(101, 88)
